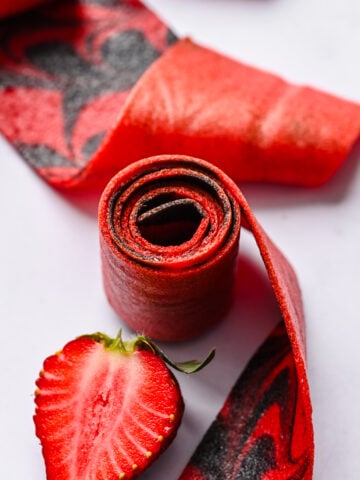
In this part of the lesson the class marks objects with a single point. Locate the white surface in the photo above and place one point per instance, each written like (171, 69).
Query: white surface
(50, 279)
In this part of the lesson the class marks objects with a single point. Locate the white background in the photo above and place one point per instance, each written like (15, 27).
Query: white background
(50, 282)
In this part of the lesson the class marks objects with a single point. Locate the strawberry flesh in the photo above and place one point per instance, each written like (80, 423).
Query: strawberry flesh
(104, 414)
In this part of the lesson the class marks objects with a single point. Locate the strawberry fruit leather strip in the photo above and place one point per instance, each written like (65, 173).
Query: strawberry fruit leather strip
(261, 432)
(251, 124)
(171, 287)
(66, 70)
(78, 62)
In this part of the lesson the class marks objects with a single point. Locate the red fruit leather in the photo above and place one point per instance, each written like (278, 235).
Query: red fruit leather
(168, 233)
(78, 61)
(263, 430)
(252, 124)
(175, 289)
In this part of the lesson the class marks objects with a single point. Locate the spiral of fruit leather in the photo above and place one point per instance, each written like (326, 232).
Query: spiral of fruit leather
(87, 87)
(169, 230)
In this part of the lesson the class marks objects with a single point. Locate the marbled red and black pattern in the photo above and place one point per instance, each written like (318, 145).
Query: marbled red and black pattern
(65, 72)
(256, 434)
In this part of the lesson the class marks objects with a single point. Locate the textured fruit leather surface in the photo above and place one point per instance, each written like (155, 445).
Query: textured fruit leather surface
(255, 434)
(88, 87)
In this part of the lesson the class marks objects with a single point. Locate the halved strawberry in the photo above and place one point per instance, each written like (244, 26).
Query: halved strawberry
(106, 408)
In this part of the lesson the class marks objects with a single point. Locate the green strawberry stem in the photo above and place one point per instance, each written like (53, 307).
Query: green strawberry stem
(142, 342)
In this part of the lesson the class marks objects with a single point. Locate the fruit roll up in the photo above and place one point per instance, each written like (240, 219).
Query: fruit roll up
(86, 88)
(169, 230)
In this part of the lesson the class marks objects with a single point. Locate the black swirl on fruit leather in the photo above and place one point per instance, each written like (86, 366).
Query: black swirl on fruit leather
(42, 50)
(230, 448)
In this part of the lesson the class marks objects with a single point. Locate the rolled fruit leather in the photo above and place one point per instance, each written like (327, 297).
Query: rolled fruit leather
(169, 228)
(88, 87)
(169, 234)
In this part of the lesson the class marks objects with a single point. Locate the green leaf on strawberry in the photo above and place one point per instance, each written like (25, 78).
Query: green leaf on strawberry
(106, 408)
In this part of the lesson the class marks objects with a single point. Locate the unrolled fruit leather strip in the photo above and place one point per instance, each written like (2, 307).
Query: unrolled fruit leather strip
(258, 432)
(66, 70)
(253, 125)
(78, 62)
(264, 430)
